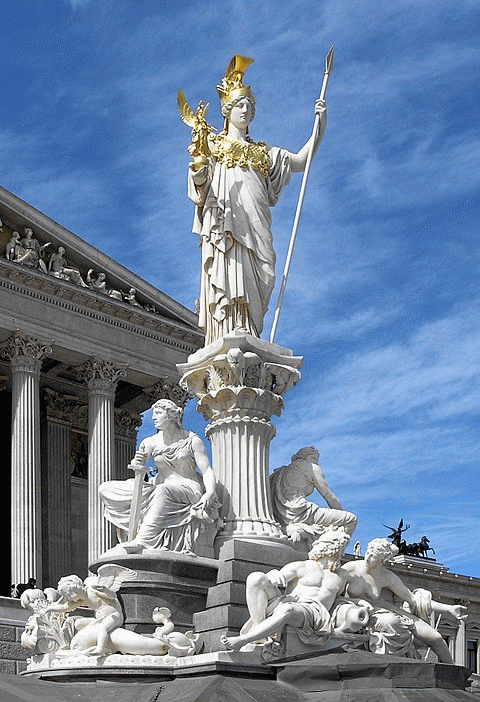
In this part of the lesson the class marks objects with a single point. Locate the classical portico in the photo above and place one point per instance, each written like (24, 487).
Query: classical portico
(79, 363)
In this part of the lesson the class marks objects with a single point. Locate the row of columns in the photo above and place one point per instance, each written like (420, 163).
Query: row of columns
(26, 355)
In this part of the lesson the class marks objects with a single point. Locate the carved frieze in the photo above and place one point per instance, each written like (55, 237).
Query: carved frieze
(79, 455)
(67, 408)
(79, 416)
(29, 252)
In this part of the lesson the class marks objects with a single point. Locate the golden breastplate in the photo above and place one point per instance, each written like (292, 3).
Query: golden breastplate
(240, 153)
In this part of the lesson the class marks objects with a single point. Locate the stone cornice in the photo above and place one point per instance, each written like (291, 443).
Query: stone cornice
(86, 302)
(17, 214)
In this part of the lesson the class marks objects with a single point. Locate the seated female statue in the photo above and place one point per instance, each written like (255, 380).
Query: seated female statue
(178, 502)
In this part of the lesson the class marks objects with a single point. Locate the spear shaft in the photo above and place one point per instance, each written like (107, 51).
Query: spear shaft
(328, 68)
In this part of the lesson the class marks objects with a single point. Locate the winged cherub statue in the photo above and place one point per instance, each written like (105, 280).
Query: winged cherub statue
(97, 592)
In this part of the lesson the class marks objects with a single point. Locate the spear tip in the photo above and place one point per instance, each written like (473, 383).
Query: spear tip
(329, 59)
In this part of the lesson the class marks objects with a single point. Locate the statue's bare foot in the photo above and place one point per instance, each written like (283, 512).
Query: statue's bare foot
(132, 546)
(232, 643)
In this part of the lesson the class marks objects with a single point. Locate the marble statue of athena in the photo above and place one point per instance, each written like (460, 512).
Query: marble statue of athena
(233, 182)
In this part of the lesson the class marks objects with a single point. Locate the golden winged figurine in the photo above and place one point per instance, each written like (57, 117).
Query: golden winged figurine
(198, 147)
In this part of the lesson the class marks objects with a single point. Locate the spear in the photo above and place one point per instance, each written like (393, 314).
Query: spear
(328, 68)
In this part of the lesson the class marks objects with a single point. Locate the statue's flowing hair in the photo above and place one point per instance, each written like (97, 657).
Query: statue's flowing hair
(382, 548)
(174, 412)
(330, 544)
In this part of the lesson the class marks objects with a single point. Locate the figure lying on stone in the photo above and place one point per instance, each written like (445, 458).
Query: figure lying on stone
(323, 601)
(300, 595)
(393, 628)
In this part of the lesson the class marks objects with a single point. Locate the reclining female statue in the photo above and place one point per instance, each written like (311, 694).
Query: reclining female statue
(392, 628)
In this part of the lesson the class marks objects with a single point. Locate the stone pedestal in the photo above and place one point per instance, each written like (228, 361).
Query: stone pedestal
(367, 677)
(226, 609)
(239, 381)
(163, 579)
(242, 677)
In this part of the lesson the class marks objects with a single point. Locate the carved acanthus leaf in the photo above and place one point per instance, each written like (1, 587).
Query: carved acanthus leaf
(25, 352)
(100, 375)
(166, 389)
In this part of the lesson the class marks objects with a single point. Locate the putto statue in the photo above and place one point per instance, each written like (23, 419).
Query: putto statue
(291, 485)
(51, 629)
(233, 181)
(177, 504)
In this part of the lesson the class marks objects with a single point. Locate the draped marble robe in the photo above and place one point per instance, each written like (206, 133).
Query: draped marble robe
(168, 517)
(233, 220)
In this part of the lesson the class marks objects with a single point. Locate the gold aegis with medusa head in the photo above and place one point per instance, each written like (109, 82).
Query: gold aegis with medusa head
(205, 142)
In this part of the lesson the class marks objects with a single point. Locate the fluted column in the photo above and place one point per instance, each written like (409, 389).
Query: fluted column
(26, 355)
(239, 381)
(101, 378)
(126, 426)
(58, 451)
(240, 434)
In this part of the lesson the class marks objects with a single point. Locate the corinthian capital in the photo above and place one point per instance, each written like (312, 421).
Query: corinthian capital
(101, 376)
(127, 423)
(25, 352)
(165, 389)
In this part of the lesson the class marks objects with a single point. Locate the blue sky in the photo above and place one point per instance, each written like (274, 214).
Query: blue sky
(383, 298)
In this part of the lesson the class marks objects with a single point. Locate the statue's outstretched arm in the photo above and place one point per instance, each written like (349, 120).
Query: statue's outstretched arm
(399, 589)
(299, 159)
